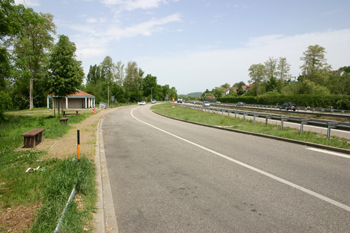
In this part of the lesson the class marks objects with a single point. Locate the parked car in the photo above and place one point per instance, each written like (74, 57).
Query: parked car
(153, 101)
(240, 104)
(218, 102)
(142, 103)
(288, 105)
(206, 104)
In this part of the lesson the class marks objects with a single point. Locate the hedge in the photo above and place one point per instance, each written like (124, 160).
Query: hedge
(317, 101)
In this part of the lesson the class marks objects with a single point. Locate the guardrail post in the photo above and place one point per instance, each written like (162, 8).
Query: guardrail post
(254, 119)
(228, 113)
(303, 122)
(222, 112)
(244, 116)
(267, 119)
(282, 121)
(331, 125)
(235, 114)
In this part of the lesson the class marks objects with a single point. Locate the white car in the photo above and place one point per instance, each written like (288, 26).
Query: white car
(153, 101)
(142, 103)
(206, 104)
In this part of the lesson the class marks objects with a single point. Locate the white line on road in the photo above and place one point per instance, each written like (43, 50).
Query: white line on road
(305, 190)
(330, 152)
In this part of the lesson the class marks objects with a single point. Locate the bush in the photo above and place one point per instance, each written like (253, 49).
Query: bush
(5, 104)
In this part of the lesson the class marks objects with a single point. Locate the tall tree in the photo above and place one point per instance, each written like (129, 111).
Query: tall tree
(283, 69)
(149, 85)
(10, 26)
(257, 75)
(32, 46)
(315, 67)
(108, 72)
(271, 68)
(132, 82)
(119, 73)
(65, 71)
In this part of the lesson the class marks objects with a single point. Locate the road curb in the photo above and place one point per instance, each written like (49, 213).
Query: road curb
(330, 148)
(105, 220)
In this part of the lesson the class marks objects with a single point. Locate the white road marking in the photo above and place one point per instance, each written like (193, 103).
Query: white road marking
(305, 190)
(330, 152)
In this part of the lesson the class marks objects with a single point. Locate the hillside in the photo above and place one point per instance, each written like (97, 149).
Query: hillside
(192, 94)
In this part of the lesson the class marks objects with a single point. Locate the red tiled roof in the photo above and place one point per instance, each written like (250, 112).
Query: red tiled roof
(78, 93)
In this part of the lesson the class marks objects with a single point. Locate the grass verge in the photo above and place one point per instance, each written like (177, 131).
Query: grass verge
(44, 192)
(248, 126)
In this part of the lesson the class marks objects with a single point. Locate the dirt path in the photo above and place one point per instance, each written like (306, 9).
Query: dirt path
(66, 146)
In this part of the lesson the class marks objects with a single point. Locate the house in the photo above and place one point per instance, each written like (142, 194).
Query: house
(80, 99)
(227, 91)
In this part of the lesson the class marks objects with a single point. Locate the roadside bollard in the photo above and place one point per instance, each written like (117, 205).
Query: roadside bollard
(78, 142)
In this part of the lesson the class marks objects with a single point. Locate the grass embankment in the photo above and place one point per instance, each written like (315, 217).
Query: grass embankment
(46, 191)
(248, 126)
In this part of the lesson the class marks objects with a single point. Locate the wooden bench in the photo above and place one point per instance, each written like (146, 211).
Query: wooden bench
(64, 120)
(33, 137)
(70, 113)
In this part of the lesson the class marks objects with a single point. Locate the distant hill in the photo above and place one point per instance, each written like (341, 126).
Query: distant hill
(193, 94)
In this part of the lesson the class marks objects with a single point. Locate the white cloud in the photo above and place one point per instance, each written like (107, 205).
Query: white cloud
(145, 28)
(200, 70)
(91, 20)
(28, 2)
(130, 5)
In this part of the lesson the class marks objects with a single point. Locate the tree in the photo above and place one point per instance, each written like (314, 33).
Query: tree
(65, 72)
(225, 86)
(132, 82)
(315, 67)
(283, 69)
(271, 68)
(108, 72)
(149, 85)
(10, 26)
(32, 46)
(119, 73)
(257, 75)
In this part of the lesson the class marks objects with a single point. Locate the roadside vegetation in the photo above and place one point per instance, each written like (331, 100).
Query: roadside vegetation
(248, 125)
(34, 201)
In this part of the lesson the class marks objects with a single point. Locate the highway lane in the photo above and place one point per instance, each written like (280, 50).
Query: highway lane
(171, 176)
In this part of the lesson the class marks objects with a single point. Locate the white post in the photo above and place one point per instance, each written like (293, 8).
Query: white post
(66, 102)
(48, 103)
(85, 102)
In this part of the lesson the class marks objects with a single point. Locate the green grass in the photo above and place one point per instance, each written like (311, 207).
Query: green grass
(248, 126)
(50, 186)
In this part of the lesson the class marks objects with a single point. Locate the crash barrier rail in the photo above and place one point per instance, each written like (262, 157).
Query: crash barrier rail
(302, 121)
(331, 110)
(319, 112)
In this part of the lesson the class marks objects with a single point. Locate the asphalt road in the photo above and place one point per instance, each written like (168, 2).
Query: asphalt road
(172, 176)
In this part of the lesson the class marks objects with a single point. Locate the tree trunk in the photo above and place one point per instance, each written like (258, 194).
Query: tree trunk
(31, 93)
(53, 106)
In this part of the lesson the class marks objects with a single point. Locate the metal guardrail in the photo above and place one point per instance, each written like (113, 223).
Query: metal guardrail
(302, 121)
(319, 112)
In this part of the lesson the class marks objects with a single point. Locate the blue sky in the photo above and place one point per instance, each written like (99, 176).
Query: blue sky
(194, 45)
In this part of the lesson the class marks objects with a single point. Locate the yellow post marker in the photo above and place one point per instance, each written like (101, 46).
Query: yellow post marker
(173, 102)
(78, 140)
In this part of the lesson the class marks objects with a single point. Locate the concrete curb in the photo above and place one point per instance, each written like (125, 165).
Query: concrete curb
(105, 220)
(330, 148)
